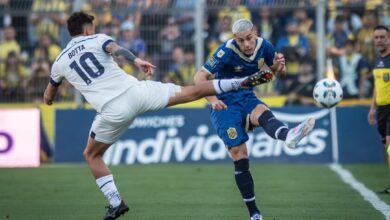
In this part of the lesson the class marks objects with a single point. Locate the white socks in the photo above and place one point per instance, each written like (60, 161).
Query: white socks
(226, 85)
(107, 186)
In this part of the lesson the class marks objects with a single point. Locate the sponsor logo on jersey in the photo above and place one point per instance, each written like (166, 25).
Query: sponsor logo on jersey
(238, 69)
(260, 63)
(380, 64)
(212, 62)
(232, 133)
(220, 53)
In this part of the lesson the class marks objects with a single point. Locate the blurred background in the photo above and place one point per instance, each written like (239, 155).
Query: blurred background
(178, 35)
(318, 38)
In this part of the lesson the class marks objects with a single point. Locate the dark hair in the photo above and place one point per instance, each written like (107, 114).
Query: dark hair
(76, 22)
(382, 27)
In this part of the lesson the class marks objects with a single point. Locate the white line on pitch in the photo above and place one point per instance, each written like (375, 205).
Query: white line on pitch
(366, 193)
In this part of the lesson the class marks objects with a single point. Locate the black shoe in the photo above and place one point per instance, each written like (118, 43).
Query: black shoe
(261, 77)
(114, 213)
(385, 191)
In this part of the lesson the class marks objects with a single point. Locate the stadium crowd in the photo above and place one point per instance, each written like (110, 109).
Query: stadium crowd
(162, 31)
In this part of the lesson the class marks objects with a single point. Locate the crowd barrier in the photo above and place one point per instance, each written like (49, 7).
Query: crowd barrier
(186, 135)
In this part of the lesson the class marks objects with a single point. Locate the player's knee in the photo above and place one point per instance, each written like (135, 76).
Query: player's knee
(90, 154)
(238, 153)
(257, 112)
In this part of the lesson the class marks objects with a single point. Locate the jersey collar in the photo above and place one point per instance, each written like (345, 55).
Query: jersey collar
(231, 44)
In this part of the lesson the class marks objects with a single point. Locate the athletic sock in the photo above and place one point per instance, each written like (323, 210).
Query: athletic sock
(272, 126)
(226, 85)
(107, 186)
(245, 184)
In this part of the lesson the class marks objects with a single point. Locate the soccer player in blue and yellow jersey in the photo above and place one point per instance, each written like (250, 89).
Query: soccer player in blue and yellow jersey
(380, 104)
(234, 113)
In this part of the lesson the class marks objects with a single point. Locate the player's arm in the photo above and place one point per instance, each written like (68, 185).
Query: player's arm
(50, 93)
(118, 51)
(372, 112)
(202, 76)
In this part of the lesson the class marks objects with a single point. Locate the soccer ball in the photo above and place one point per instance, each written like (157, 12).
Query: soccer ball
(328, 93)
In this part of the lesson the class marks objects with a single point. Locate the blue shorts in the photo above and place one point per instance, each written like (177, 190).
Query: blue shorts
(230, 123)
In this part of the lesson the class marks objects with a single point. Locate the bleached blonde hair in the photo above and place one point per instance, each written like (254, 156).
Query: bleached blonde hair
(242, 25)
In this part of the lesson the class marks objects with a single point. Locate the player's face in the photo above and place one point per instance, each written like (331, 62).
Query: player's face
(381, 40)
(246, 41)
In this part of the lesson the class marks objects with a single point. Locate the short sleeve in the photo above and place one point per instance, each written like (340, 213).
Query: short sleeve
(216, 62)
(104, 40)
(56, 77)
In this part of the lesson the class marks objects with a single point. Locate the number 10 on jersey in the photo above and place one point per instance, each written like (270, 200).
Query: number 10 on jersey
(87, 68)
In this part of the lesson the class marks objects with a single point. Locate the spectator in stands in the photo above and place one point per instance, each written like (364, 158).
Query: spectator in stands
(293, 45)
(102, 12)
(353, 71)
(130, 39)
(9, 43)
(40, 72)
(49, 16)
(306, 26)
(182, 71)
(292, 70)
(351, 21)
(337, 38)
(267, 26)
(234, 9)
(224, 33)
(46, 49)
(385, 9)
(293, 38)
(365, 37)
(170, 37)
(13, 78)
(185, 14)
(301, 91)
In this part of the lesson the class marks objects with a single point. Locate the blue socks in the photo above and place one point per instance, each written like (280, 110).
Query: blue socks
(272, 126)
(245, 184)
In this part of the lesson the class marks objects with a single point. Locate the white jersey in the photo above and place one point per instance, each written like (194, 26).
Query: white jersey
(91, 70)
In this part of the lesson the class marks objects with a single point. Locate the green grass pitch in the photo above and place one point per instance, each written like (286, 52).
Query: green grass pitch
(190, 192)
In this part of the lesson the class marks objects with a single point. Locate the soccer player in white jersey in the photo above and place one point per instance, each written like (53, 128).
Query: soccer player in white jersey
(87, 63)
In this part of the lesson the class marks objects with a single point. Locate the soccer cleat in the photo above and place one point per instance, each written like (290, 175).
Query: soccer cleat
(114, 213)
(296, 134)
(258, 78)
(256, 217)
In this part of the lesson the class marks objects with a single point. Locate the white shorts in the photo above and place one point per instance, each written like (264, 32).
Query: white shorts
(118, 114)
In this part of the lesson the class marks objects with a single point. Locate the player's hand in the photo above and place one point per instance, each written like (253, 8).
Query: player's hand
(218, 105)
(371, 117)
(279, 65)
(145, 66)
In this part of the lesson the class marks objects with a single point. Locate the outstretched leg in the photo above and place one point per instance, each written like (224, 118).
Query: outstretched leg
(217, 86)
(261, 115)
